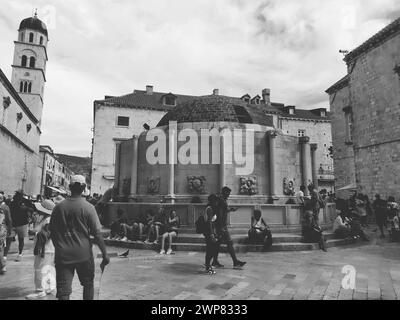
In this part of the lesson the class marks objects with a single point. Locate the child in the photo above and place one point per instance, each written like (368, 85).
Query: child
(210, 232)
(260, 232)
(171, 226)
(45, 277)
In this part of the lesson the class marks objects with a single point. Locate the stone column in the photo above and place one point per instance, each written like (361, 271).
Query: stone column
(272, 170)
(314, 167)
(117, 182)
(222, 163)
(172, 161)
(134, 173)
(305, 161)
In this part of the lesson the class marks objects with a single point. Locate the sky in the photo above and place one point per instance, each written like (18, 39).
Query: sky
(112, 47)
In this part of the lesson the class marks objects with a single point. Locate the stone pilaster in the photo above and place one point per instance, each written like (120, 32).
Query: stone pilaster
(172, 161)
(305, 161)
(272, 170)
(134, 173)
(314, 168)
(117, 180)
(222, 163)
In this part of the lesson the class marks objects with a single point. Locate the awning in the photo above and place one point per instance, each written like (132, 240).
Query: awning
(350, 187)
(108, 177)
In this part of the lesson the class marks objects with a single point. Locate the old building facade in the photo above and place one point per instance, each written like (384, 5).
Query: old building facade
(21, 110)
(117, 119)
(365, 116)
(55, 175)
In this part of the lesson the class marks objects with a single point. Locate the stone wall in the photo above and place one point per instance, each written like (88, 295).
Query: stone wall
(287, 162)
(375, 98)
(287, 166)
(343, 152)
(107, 134)
(319, 133)
(19, 143)
(17, 162)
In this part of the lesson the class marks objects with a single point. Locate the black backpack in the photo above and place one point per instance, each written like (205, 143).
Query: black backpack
(200, 225)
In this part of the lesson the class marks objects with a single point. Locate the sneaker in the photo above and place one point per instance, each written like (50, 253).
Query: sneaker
(38, 295)
(210, 270)
(124, 239)
(239, 264)
(217, 265)
(169, 251)
(3, 270)
(19, 258)
(155, 242)
(162, 251)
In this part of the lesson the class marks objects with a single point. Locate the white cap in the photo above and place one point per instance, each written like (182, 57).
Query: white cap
(78, 179)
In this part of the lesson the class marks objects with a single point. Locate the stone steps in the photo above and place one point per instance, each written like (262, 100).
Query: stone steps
(240, 248)
(196, 243)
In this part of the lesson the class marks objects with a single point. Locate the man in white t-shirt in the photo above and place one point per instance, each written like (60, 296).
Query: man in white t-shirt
(300, 195)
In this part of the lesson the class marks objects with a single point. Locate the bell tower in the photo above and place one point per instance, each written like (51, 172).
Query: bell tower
(29, 65)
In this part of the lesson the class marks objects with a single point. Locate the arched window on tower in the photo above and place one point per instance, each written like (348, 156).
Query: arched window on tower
(32, 62)
(25, 86)
(21, 86)
(24, 61)
(31, 37)
(30, 87)
(41, 40)
(22, 36)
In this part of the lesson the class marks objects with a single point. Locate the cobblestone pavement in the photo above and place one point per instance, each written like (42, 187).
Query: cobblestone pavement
(311, 275)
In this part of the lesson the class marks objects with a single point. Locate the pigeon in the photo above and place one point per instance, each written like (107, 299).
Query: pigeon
(124, 255)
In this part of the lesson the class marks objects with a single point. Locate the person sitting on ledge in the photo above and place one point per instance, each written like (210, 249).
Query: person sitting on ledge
(260, 232)
(355, 224)
(341, 226)
(135, 229)
(149, 226)
(171, 231)
(115, 233)
(159, 223)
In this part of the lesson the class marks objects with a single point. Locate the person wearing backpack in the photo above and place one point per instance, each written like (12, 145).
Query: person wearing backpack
(222, 229)
(210, 231)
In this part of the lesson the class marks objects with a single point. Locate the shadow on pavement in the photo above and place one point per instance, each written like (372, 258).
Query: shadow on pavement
(183, 268)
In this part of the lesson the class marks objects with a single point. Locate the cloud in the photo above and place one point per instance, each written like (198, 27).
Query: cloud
(115, 46)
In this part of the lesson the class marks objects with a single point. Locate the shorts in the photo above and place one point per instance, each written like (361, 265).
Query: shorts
(22, 231)
(65, 275)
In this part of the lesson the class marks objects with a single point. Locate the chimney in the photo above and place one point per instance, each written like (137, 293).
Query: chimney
(215, 92)
(149, 90)
(266, 94)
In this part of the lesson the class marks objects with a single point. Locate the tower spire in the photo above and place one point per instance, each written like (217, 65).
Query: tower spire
(35, 15)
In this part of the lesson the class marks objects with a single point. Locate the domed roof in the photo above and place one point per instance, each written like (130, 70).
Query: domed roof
(217, 109)
(33, 23)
